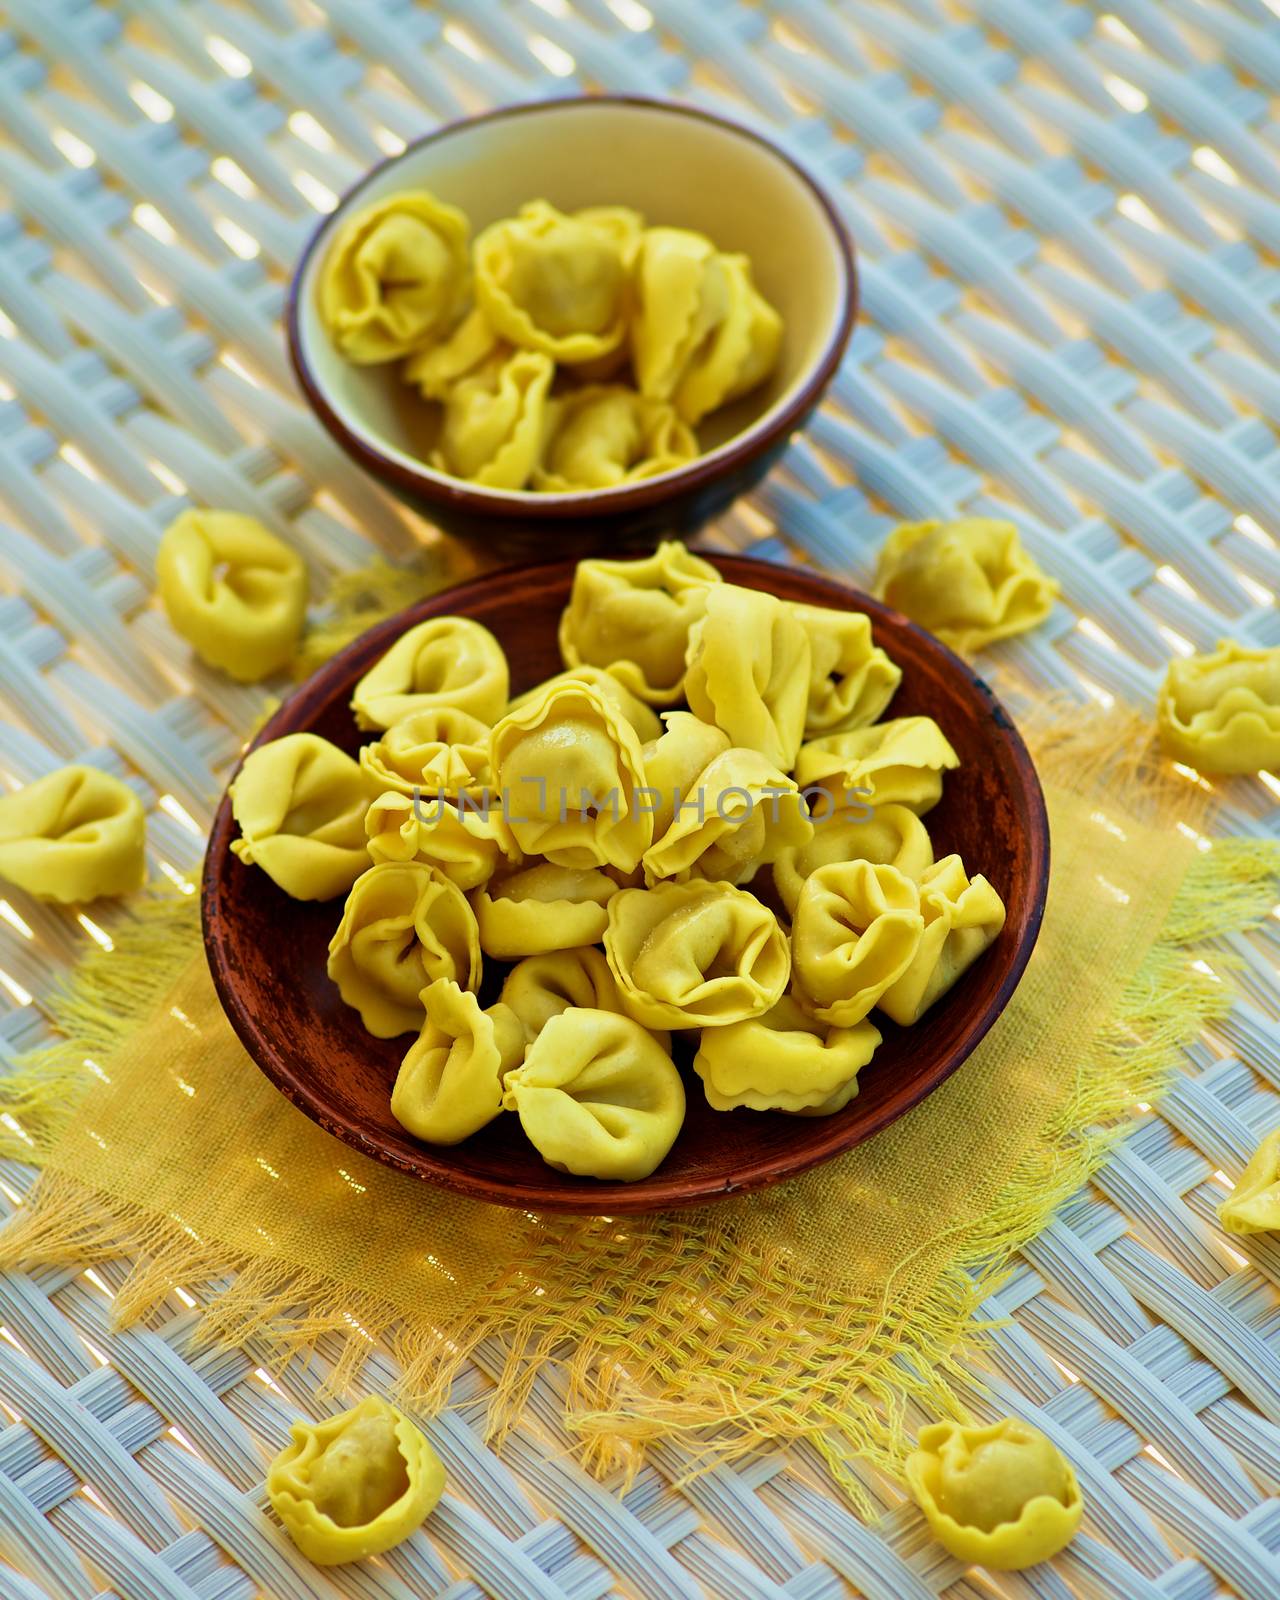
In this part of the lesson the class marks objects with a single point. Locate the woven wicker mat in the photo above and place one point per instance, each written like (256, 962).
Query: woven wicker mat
(1069, 222)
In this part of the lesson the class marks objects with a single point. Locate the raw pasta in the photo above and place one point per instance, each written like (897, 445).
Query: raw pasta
(633, 617)
(1221, 712)
(540, 908)
(236, 593)
(300, 803)
(404, 925)
(606, 434)
(969, 581)
(962, 918)
(673, 761)
(739, 352)
(541, 987)
(557, 284)
(597, 1095)
(892, 834)
(895, 763)
(851, 679)
(1254, 1204)
(742, 814)
(605, 682)
(450, 1081)
(395, 277)
(448, 662)
(695, 955)
(435, 370)
(354, 1485)
(495, 421)
(568, 768)
(748, 669)
(438, 751)
(784, 1061)
(74, 834)
(465, 845)
(857, 929)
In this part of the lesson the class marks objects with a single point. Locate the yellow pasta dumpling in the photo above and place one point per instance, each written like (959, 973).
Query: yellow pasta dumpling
(748, 669)
(300, 804)
(403, 926)
(557, 285)
(1221, 712)
(567, 765)
(633, 617)
(541, 987)
(742, 814)
(1002, 1496)
(682, 294)
(900, 762)
(962, 918)
(495, 421)
(784, 1061)
(437, 751)
(852, 680)
(969, 581)
(1254, 1205)
(465, 845)
(435, 370)
(354, 1485)
(887, 834)
(395, 277)
(673, 762)
(74, 834)
(540, 908)
(236, 593)
(739, 352)
(597, 1095)
(443, 662)
(695, 955)
(604, 435)
(602, 679)
(450, 1081)
(857, 929)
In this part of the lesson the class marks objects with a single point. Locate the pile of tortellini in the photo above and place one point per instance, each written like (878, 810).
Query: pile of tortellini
(566, 352)
(594, 837)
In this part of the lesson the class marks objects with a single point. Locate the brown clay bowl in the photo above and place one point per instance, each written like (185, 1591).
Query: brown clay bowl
(677, 164)
(267, 952)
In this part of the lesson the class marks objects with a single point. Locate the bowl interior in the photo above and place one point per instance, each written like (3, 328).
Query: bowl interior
(674, 164)
(267, 952)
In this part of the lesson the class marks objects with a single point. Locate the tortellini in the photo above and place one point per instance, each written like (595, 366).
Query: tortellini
(642, 331)
(695, 955)
(633, 617)
(558, 284)
(1002, 1496)
(404, 925)
(891, 834)
(74, 834)
(673, 761)
(962, 918)
(437, 751)
(445, 662)
(605, 682)
(300, 803)
(568, 767)
(450, 1081)
(1221, 712)
(895, 763)
(857, 929)
(495, 421)
(395, 277)
(1254, 1205)
(541, 987)
(356, 1484)
(597, 1095)
(465, 845)
(784, 1061)
(236, 593)
(969, 581)
(540, 908)
(605, 435)
(748, 671)
(742, 814)
(852, 680)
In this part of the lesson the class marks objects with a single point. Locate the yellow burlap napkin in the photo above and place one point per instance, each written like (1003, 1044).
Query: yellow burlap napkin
(822, 1308)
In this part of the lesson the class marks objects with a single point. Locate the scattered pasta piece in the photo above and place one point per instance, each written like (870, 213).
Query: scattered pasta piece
(1221, 712)
(73, 835)
(1254, 1205)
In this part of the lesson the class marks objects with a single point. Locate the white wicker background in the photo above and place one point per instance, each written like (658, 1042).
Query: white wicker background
(1068, 219)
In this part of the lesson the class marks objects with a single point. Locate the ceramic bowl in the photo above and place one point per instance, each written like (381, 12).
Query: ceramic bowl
(676, 164)
(267, 952)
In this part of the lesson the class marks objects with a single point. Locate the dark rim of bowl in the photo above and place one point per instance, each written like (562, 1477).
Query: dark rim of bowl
(657, 1192)
(733, 454)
